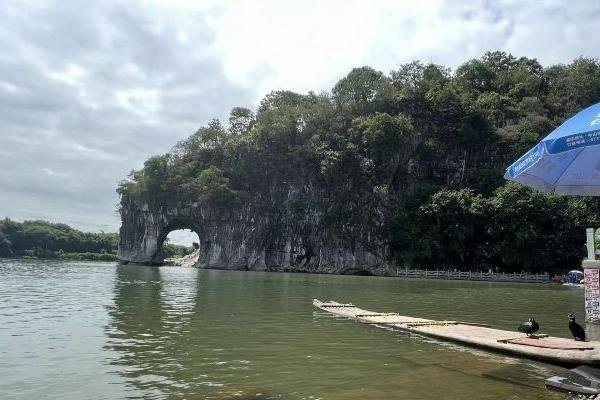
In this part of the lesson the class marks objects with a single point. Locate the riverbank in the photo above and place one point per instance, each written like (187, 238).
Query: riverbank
(192, 260)
(49, 240)
(67, 256)
(188, 260)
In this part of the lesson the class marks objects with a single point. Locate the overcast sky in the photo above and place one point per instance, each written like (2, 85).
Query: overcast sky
(90, 89)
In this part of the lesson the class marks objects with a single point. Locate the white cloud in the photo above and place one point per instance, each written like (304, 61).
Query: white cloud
(309, 45)
(9, 87)
(140, 101)
(301, 45)
(184, 237)
(54, 174)
(88, 93)
(70, 75)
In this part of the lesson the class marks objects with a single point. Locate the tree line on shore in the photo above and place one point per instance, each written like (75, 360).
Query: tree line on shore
(415, 157)
(43, 239)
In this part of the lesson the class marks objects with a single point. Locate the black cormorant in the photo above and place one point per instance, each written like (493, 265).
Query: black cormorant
(576, 329)
(529, 327)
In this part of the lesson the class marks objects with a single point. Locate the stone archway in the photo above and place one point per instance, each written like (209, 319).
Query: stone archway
(245, 238)
(175, 226)
(143, 231)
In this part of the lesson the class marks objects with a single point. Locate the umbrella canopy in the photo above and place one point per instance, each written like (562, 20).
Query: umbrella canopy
(567, 161)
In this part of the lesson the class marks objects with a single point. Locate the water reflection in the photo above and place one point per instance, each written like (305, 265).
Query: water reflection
(201, 334)
(162, 335)
(97, 330)
(135, 327)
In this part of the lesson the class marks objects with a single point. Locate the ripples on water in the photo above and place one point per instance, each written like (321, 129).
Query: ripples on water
(100, 331)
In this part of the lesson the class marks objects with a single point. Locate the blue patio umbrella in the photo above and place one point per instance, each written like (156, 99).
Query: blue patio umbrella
(567, 161)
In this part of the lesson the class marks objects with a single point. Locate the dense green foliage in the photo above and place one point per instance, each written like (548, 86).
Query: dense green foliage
(50, 240)
(516, 228)
(416, 157)
(171, 250)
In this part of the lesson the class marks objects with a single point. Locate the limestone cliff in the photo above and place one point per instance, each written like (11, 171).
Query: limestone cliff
(402, 168)
(243, 238)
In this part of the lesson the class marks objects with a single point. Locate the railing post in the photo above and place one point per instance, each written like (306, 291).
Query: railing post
(591, 271)
(591, 247)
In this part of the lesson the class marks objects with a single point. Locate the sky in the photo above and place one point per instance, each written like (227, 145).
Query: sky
(89, 90)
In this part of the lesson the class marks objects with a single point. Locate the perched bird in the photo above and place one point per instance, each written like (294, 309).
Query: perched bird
(529, 327)
(576, 329)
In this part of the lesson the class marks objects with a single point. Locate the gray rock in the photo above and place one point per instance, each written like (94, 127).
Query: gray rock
(245, 239)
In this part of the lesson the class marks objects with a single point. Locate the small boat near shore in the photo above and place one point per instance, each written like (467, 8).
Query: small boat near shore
(553, 350)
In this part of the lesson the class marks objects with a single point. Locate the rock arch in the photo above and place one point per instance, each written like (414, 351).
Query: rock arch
(175, 225)
(143, 231)
(244, 238)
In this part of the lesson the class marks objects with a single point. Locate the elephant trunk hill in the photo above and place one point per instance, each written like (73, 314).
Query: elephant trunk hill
(385, 170)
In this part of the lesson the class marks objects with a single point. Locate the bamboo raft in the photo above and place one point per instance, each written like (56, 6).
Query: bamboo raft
(554, 350)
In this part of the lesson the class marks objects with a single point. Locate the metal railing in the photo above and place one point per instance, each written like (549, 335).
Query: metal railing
(472, 275)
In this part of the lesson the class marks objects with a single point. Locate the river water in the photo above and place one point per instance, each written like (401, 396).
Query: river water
(73, 330)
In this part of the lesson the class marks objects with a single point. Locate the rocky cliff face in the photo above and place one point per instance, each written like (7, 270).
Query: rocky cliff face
(246, 239)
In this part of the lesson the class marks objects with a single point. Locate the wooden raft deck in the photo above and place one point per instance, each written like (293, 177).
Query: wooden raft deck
(549, 349)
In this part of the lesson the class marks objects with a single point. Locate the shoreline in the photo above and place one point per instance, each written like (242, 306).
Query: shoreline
(471, 276)
(106, 257)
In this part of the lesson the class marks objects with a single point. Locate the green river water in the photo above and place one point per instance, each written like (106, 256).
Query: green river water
(72, 330)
